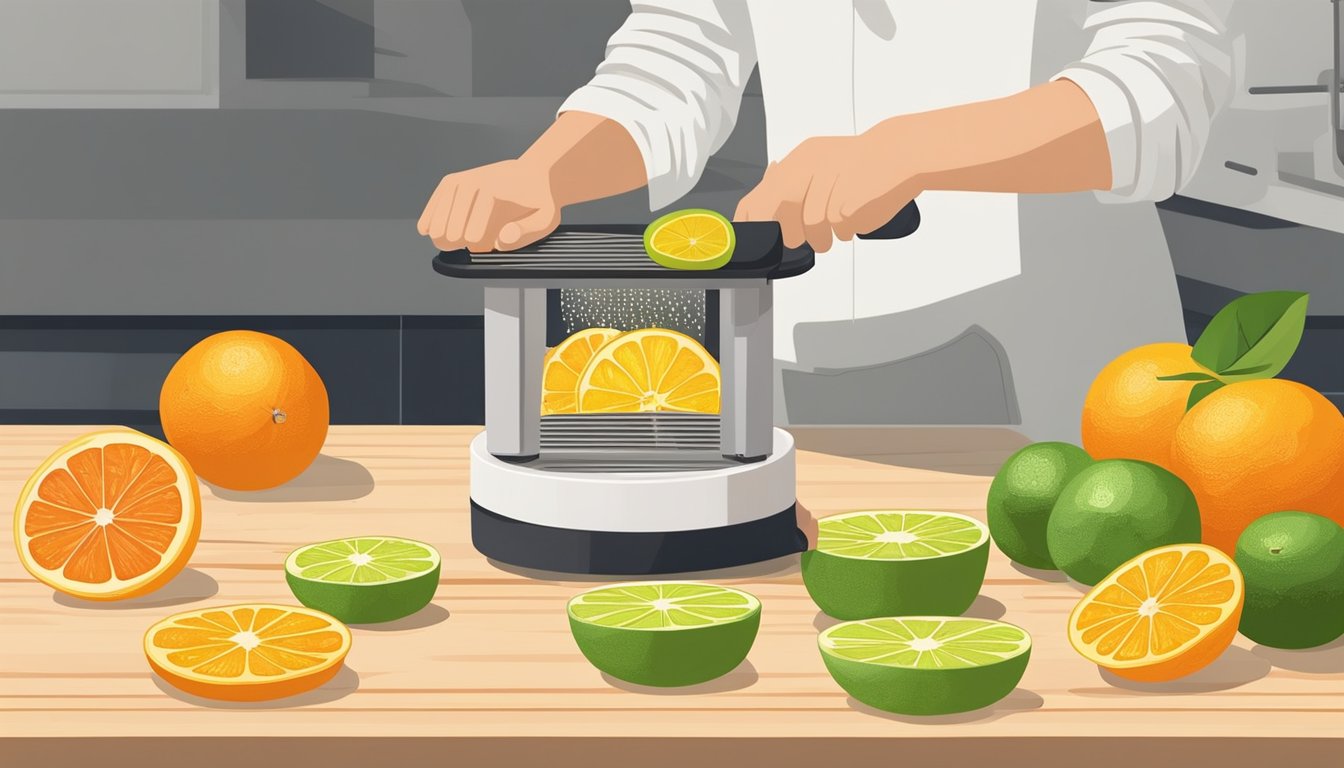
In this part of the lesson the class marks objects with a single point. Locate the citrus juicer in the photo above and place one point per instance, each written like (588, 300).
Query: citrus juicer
(633, 493)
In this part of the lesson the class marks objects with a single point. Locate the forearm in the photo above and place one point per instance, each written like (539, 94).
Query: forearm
(1046, 139)
(587, 157)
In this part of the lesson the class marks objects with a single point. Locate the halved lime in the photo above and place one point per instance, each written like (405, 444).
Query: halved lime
(364, 580)
(896, 563)
(926, 665)
(665, 633)
(691, 239)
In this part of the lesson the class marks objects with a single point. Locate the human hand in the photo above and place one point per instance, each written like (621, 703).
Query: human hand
(833, 187)
(501, 206)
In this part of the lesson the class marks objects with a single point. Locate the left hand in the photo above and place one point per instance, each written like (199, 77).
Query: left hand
(833, 187)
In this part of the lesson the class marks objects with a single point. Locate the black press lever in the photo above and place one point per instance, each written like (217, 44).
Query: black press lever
(904, 223)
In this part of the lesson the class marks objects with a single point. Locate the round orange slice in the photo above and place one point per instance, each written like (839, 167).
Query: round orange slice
(564, 363)
(652, 369)
(114, 514)
(1163, 615)
(254, 652)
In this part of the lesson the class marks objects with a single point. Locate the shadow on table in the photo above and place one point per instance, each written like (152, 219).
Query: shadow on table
(189, 586)
(780, 566)
(1235, 668)
(1039, 574)
(425, 617)
(327, 479)
(984, 607)
(743, 676)
(343, 684)
(1326, 659)
(1020, 700)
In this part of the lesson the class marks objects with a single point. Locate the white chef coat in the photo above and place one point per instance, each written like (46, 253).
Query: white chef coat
(1001, 308)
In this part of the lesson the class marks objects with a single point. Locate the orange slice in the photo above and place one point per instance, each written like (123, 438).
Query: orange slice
(1164, 614)
(563, 364)
(254, 652)
(111, 515)
(653, 369)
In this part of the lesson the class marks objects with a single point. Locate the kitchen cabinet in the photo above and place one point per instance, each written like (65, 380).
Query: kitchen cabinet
(488, 673)
(93, 53)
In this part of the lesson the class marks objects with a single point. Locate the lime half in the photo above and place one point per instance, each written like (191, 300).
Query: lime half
(364, 580)
(926, 665)
(895, 563)
(691, 239)
(665, 633)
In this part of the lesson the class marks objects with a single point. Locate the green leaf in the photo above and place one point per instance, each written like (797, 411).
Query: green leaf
(1201, 391)
(1191, 376)
(1249, 371)
(1254, 336)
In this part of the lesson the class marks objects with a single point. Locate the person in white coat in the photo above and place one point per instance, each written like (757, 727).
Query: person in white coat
(1018, 124)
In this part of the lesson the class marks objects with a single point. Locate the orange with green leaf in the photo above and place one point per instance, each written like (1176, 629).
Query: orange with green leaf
(1246, 443)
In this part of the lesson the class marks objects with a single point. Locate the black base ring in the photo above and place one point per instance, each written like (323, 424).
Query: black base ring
(567, 550)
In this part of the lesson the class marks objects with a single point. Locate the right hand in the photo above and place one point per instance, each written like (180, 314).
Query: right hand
(501, 206)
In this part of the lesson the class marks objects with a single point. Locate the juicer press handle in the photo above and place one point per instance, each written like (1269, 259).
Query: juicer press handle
(904, 223)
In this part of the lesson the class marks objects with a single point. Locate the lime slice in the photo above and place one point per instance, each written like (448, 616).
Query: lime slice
(668, 633)
(896, 563)
(926, 665)
(364, 580)
(691, 239)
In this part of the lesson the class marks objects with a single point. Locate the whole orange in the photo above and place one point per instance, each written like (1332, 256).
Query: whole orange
(246, 409)
(1256, 447)
(1128, 413)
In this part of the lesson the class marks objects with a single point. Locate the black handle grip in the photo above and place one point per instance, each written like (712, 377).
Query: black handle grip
(904, 223)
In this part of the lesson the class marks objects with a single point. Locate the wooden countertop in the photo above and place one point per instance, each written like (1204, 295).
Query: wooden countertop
(489, 671)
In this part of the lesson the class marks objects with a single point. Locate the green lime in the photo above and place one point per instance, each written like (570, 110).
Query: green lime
(690, 239)
(1114, 511)
(1293, 563)
(665, 633)
(896, 563)
(1022, 495)
(926, 665)
(364, 580)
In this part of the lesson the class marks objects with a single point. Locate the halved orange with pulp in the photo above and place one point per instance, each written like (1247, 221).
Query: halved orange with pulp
(111, 515)
(563, 364)
(1163, 615)
(652, 369)
(253, 652)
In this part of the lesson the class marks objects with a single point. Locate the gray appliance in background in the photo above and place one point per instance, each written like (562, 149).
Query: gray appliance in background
(1266, 207)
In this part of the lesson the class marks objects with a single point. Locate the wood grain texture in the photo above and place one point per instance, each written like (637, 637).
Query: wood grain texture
(491, 662)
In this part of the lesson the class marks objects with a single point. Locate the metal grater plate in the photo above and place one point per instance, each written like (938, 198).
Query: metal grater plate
(631, 442)
(631, 431)
(568, 251)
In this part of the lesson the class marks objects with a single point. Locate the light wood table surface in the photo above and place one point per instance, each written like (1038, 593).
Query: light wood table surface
(489, 673)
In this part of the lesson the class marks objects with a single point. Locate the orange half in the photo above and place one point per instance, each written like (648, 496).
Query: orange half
(653, 369)
(564, 363)
(112, 515)
(1163, 615)
(253, 652)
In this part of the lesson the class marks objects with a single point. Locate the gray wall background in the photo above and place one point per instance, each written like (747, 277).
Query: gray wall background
(298, 196)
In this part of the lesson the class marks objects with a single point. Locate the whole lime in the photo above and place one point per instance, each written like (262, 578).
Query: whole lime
(1293, 563)
(1114, 511)
(1023, 494)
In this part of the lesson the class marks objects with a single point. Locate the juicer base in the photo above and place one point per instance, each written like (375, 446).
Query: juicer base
(568, 550)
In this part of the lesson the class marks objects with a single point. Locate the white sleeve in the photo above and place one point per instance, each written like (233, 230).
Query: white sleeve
(673, 78)
(1158, 72)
